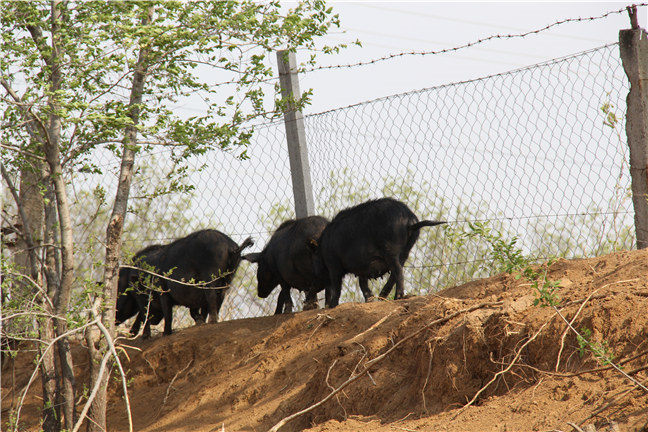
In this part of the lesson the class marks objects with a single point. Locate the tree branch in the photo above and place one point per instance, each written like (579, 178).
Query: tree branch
(21, 151)
(27, 110)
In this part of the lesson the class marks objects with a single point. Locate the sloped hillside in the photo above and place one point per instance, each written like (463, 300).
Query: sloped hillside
(500, 356)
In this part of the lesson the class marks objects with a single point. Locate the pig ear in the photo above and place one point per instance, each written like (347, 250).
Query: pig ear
(252, 257)
(313, 245)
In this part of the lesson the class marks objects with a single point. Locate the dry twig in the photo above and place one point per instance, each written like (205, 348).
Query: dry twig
(112, 351)
(327, 319)
(564, 334)
(95, 389)
(34, 373)
(380, 321)
(614, 400)
(168, 391)
(427, 377)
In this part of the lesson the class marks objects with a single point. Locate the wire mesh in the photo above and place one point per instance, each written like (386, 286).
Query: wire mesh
(536, 152)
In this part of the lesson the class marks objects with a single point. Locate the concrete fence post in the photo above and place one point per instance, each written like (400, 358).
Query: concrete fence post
(295, 135)
(634, 55)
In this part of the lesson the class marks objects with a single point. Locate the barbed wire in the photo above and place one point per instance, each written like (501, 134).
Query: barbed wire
(474, 43)
(499, 36)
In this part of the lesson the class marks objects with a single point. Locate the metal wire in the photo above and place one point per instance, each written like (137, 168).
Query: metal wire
(498, 36)
(478, 41)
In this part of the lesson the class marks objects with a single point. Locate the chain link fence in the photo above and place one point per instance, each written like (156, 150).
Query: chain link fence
(539, 153)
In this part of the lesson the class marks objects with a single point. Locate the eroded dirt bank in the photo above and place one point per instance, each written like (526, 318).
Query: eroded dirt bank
(248, 374)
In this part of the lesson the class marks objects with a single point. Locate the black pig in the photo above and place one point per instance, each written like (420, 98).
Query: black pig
(135, 296)
(206, 256)
(368, 240)
(287, 261)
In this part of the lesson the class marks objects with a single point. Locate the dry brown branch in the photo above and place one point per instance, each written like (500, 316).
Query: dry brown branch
(427, 377)
(111, 345)
(380, 321)
(159, 378)
(614, 400)
(375, 360)
(168, 391)
(604, 368)
(575, 427)
(111, 352)
(327, 319)
(95, 390)
(326, 380)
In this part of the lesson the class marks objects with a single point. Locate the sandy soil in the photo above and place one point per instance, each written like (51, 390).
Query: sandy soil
(246, 375)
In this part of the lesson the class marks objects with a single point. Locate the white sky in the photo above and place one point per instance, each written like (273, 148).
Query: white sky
(390, 27)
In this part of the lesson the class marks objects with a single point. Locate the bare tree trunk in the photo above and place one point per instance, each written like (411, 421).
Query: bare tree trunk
(59, 280)
(31, 202)
(114, 231)
(61, 298)
(49, 378)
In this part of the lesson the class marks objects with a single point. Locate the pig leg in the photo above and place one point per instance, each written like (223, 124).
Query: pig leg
(167, 311)
(136, 325)
(388, 286)
(334, 289)
(204, 311)
(364, 287)
(311, 299)
(397, 274)
(284, 302)
(215, 305)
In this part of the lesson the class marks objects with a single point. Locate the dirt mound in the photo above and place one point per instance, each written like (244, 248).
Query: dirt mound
(249, 374)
